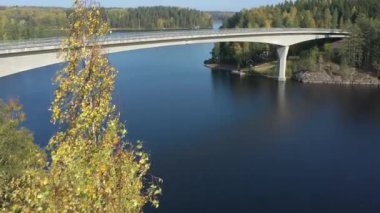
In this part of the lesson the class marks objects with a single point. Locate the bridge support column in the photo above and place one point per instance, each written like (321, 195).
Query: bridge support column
(282, 56)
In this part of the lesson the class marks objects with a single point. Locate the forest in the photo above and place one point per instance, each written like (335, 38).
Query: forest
(37, 22)
(361, 18)
(221, 15)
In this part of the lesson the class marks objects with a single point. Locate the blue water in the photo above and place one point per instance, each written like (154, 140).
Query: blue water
(228, 144)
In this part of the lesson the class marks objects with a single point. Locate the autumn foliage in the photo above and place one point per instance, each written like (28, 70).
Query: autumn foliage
(92, 167)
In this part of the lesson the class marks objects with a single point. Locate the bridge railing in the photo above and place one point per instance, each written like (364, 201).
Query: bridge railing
(30, 43)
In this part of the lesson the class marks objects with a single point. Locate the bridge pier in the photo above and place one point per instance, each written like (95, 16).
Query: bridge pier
(282, 53)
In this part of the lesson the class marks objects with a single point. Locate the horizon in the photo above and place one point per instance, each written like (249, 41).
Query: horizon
(210, 5)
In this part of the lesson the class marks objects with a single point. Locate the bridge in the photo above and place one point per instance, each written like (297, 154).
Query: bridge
(25, 55)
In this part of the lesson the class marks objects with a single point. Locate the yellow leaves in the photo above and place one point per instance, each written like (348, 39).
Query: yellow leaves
(102, 168)
(124, 131)
(88, 171)
(109, 190)
(77, 25)
(155, 203)
(157, 192)
(91, 166)
(143, 161)
(45, 181)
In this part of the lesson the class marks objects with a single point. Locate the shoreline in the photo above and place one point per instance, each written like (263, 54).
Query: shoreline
(234, 70)
(225, 67)
(318, 78)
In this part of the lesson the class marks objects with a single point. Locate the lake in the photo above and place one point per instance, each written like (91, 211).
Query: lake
(223, 143)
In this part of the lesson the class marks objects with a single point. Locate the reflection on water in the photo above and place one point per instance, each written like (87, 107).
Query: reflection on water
(358, 102)
(228, 144)
(283, 112)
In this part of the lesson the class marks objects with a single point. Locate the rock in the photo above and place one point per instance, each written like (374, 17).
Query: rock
(312, 77)
(332, 74)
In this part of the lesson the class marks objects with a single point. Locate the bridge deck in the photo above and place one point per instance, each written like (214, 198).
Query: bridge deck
(53, 44)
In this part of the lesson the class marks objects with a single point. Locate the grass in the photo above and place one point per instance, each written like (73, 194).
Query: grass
(269, 69)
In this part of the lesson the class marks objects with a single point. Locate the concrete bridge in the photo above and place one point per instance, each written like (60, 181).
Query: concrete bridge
(25, 55)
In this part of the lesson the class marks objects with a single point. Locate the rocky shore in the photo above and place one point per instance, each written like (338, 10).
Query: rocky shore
(331, 74)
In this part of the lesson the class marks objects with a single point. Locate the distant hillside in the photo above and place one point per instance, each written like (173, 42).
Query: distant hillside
(159, 17)
(220, 15)
(37, 22)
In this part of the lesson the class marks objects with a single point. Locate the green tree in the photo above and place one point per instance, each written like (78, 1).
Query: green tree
(32, 22)
(215, 53)
(335, 19)
(351, 52)
(310, 59)
(327, 18)
(308, 20)
(376, 49)
(238, 54)
(17, 150)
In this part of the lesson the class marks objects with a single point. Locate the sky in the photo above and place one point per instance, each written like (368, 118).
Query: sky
(221, 5)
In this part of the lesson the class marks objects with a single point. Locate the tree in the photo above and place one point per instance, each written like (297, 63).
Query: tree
(238, 54)
(327, 18)
(215, 53)
(368, 33)
(17, 150)
(309, 59)
(352, 50)
(92, 166)
(335, 19)
(376, 49)
(32, 22)
(308, 20)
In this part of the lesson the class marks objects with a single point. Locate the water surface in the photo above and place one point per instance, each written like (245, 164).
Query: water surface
(228, 144)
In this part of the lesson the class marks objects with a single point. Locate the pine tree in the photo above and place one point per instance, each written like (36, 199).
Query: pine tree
(327, 18)
(335, 19)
